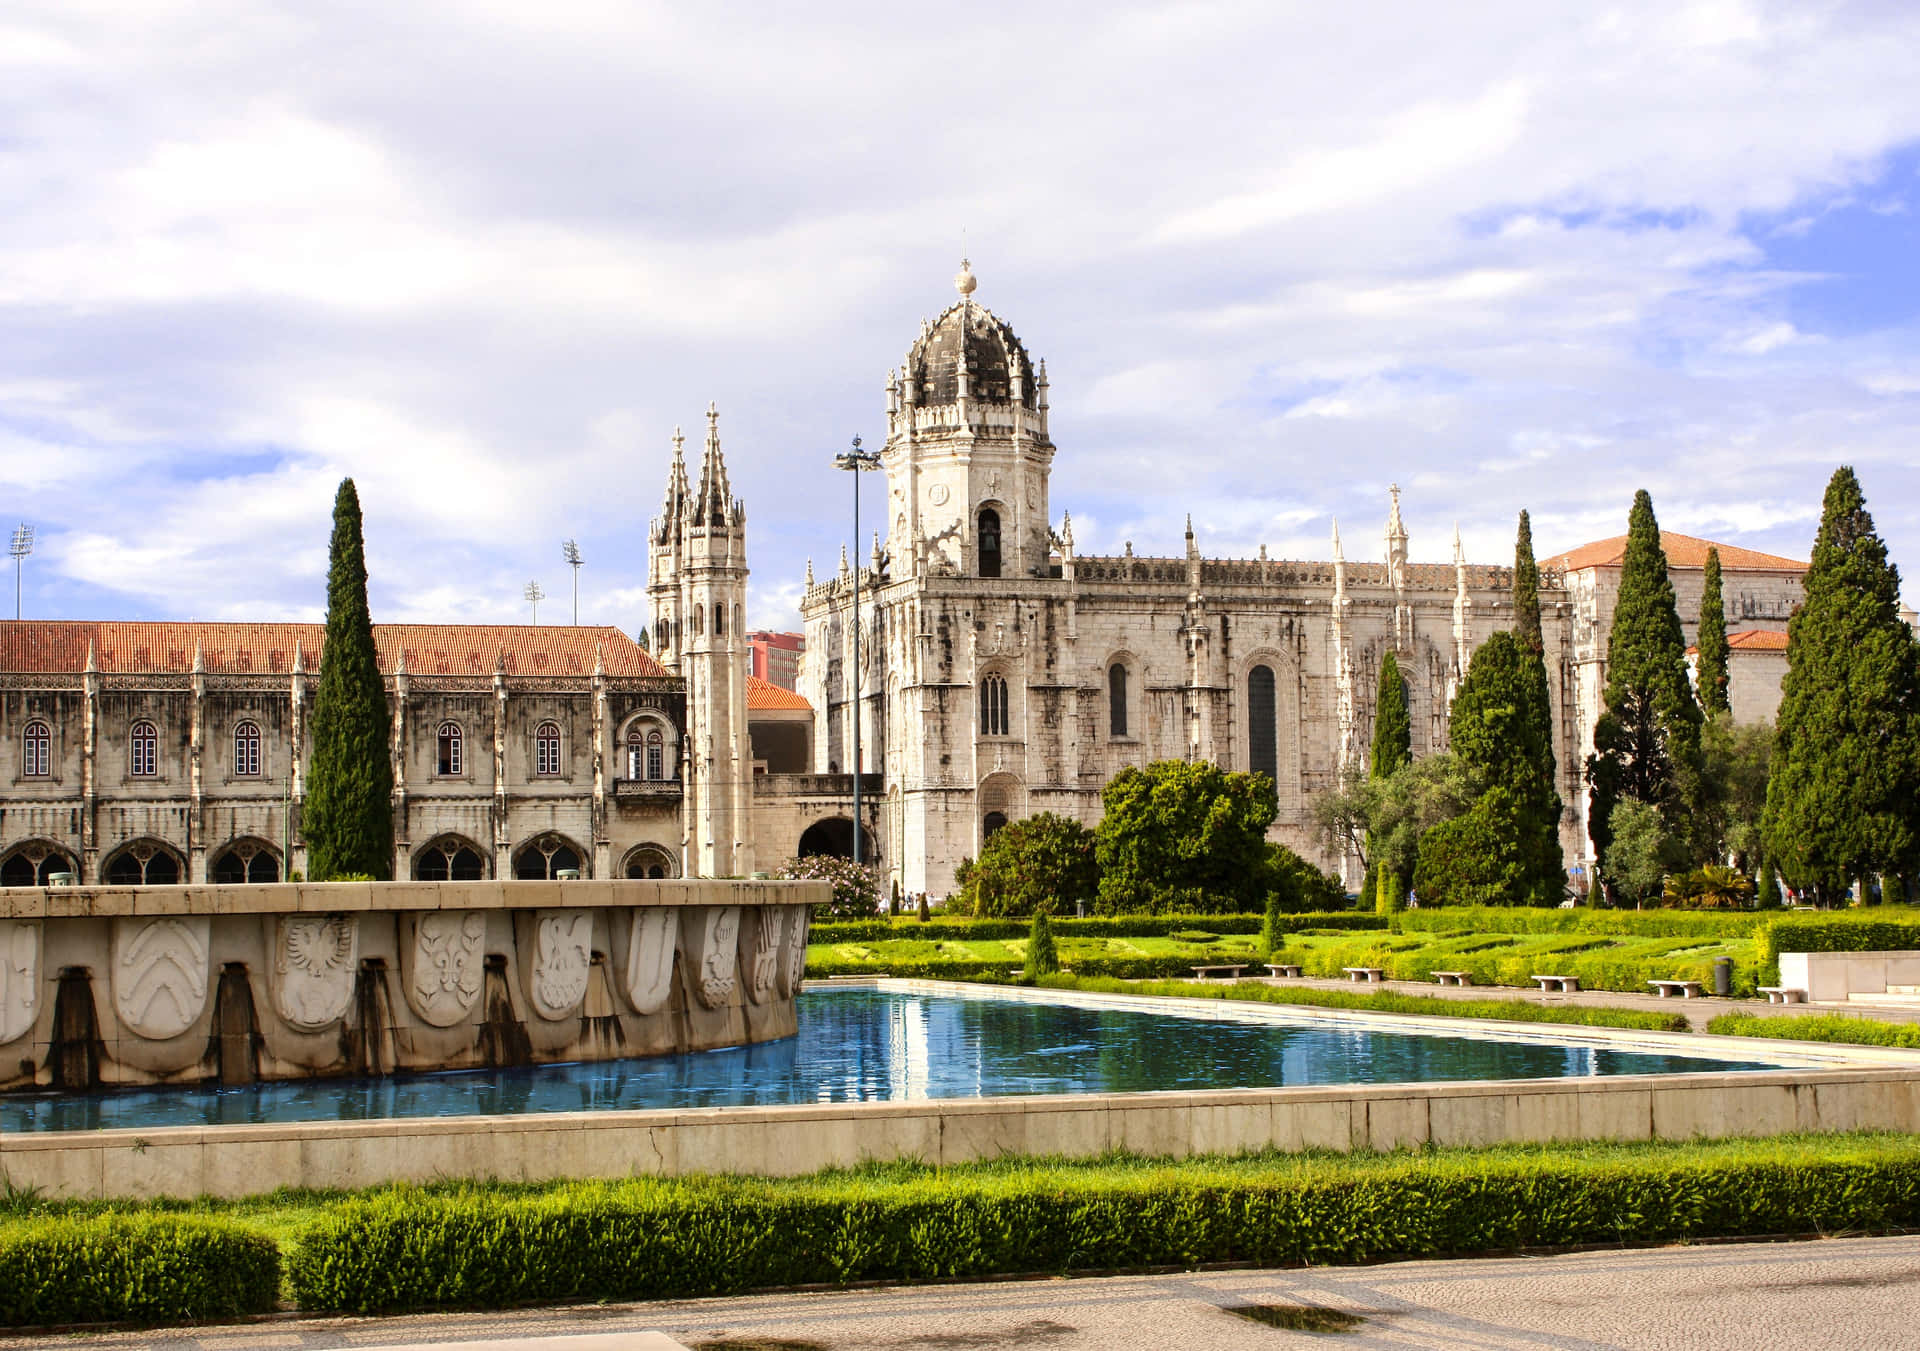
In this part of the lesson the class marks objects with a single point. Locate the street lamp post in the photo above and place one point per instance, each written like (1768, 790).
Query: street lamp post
(857, 462)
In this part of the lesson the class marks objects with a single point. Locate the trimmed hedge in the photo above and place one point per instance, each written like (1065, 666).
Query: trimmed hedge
(663, 1239)
(1387, 1001)
(1634, 923)
(1094, 926)
(1833, 933)
(141, 1269)
(1132, 968)
(1818, 1027)
(1594, 958)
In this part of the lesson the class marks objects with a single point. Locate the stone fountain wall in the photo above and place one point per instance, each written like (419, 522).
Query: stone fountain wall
(111, 986)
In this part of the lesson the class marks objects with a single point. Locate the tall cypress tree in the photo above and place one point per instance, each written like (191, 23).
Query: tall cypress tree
(1526, 589)
(1843, 795)
(1712, 677)
(1392, 751)
(1496, 733)
(1647, 741)
(349, 810)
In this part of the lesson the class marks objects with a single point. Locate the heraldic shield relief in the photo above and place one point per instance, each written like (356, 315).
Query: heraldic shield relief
(314, 957)
(160, 974)
(443, 964)
(19, 977)
(652, 936)
(562, 958)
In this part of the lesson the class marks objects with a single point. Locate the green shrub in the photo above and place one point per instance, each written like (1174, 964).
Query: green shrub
(1043, 959)
(1528, 920)
(1818, 1027)
(1094, 926)
(1878, 932)
(856, 886)
(660, 1239)
(1039, 862)
(142, 1268)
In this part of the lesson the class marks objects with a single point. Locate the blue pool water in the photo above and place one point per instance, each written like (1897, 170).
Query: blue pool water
(866, 1045)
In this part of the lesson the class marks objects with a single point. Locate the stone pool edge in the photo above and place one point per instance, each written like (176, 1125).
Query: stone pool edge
(245, 1160)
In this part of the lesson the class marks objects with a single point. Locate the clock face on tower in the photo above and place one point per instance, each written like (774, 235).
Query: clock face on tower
(937, 494)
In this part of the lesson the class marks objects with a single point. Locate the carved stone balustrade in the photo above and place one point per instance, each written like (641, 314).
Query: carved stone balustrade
(106, 986)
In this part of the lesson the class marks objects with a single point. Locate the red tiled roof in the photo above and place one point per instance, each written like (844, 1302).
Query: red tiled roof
(764, 694)
(1757, 640)
(430, 649)
(1683, 551)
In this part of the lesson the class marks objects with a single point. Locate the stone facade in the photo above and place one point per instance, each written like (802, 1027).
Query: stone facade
(1005, 674)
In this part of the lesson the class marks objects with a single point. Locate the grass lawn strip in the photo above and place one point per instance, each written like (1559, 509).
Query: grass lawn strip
(1827, 1027)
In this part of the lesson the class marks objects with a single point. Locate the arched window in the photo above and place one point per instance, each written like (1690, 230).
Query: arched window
(719, 620)
(36, 751)
(1263, 752)
(993, 706)
(33, 865)
(546, 857)
(143, 750)
(143, 864)
(1116, 700)
(246, 750)
(656, 755)
(989, 543)
(994, 822)
(546, 749)
(649, 861)
(246, 861)
(451, 762)
(699, 620)
(449, 859)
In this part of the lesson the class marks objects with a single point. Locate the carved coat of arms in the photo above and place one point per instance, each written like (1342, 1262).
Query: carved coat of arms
(760, 949)
(710, 935)
(160, 974)
(19, 977)
(793, 956)
(444, 964)
(314, 957)
(651, 937)
(562, 959)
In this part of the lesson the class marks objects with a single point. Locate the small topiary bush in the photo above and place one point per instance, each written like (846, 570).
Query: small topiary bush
(139, 1269)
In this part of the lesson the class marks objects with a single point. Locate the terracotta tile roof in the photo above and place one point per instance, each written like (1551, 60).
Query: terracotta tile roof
(1683, 551)
(431, 649)
(764, 694)
(1757, 640)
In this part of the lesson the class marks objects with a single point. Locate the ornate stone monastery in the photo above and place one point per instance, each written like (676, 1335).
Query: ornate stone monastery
(1003, 674)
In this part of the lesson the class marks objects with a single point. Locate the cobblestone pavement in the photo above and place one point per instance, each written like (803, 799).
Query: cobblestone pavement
(1844, 1294)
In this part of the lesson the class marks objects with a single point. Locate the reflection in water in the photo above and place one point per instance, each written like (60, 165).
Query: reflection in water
(869, 1046)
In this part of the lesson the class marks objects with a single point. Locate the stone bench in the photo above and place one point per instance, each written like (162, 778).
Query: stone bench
(1783, 994)
(1685, 989)
(1561, 984)
(1368, 975)
(1452, 978)
(1206, 972)
(1283, 969)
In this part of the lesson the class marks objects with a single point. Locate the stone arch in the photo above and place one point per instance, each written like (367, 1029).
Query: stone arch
(144, 862)
(549, 854)
(646, 861)
(1001, 795)
(449, 858)
(832, 837)
(32, 863)
(246, 859)
(1277, 722)
(989, 540)
(1127, 699)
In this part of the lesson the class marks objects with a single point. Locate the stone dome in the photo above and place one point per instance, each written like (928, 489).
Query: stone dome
(994, 359)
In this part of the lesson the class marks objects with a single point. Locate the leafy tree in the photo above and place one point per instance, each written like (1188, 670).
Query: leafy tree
(1842, 797)
(856, 886)
(348, 819)
(1043, 959)
(1711, 887)
(1478, 858)
(1733, 791)
(1297, 887)
(1647, 742)
(1499, 742)
(1043, 862)
(1179, 836)
(1643, 851)
(1712, 671)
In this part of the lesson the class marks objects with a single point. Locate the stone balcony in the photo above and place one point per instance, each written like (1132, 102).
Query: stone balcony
(649, 790)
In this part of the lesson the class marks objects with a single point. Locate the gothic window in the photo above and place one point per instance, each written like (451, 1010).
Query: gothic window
(1117, 700)
(246, 861)
(546, 749)
(1263, 752)
(246, 750)
(451, 761)
(989, 542)
(33, 865)
(993, 706)
(143, 751)
(547, 857)
(449, 859)
(36, 750)
(143, 864)
(649, 861)
(719, 620)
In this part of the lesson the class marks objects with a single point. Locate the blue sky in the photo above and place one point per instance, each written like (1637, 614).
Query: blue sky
(483, 256)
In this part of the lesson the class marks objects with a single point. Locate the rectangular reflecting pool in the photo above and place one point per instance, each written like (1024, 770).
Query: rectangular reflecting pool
(878, 1045)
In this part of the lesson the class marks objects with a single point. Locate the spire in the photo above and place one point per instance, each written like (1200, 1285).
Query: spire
(599, 658)
(199, 661)
(715, 494)
(299, 659)
(92, 667)
(843, 560)
(1396, 528)
(400, 667)
(1338, 557)
(675, 504)
(1066, 530)
(876, 551)
(809, 572)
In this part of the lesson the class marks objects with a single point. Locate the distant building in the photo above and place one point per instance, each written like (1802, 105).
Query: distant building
(776, 657)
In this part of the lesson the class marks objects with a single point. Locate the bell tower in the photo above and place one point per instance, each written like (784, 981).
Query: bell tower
(967, 453)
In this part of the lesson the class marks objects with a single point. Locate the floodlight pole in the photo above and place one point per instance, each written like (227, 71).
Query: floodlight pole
(571, 552)
(856, 461)
(20, 547)
(534, 596)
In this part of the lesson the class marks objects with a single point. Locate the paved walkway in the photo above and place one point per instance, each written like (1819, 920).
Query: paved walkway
(1858, 1294)
(1697, 1011)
